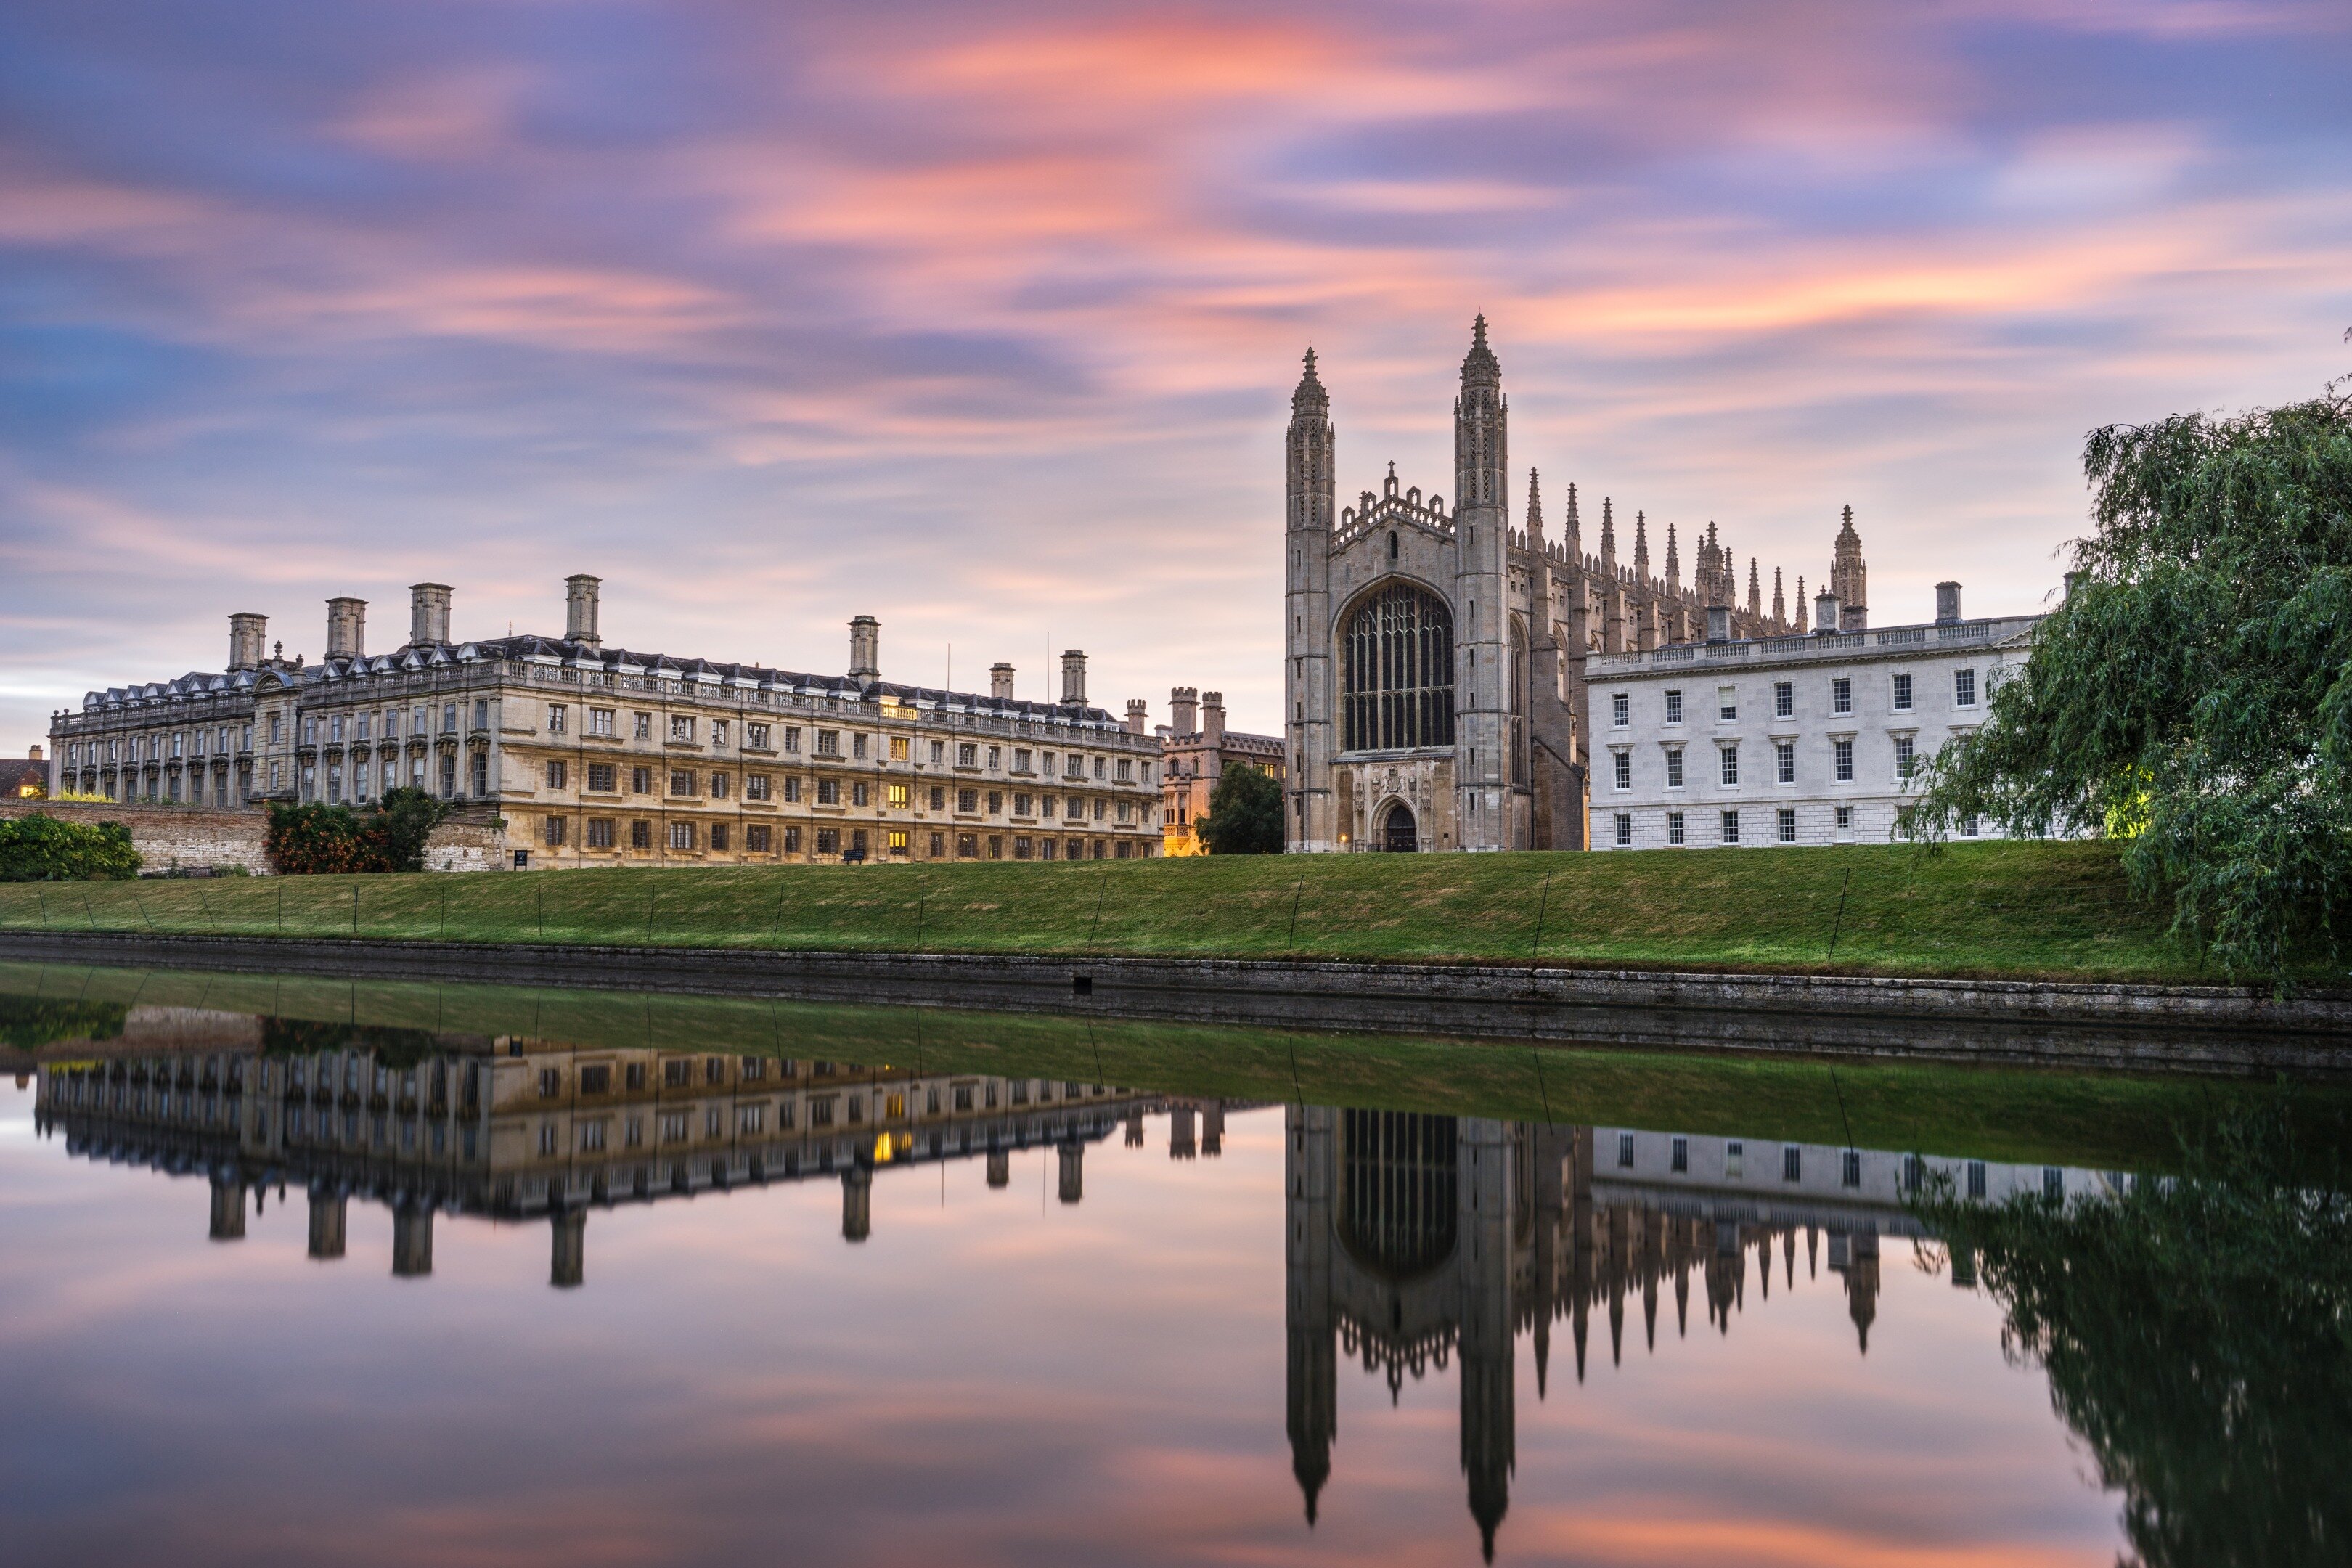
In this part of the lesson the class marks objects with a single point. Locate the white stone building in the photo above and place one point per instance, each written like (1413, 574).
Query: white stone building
(1809, 739)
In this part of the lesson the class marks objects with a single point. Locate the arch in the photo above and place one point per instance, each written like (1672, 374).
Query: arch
(1400, 834)
(1396, 659)
(1392, 544)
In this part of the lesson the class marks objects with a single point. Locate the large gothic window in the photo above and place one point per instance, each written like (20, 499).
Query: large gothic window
(1398, 658)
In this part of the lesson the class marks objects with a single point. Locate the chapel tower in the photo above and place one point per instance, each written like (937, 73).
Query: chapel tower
(1309, 465)
(1486, 674)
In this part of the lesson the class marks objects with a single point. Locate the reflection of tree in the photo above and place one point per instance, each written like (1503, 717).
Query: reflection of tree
(398, 1050)
(26, 1023)
(2198, 1334)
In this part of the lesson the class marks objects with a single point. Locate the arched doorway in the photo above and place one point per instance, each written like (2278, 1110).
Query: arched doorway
(1399, 835)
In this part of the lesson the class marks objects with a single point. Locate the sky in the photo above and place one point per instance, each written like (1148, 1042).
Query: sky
(983, 320)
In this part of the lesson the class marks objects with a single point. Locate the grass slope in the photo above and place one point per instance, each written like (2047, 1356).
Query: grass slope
(2018, 910)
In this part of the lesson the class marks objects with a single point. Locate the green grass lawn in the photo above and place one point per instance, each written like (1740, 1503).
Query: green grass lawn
(2039, 909)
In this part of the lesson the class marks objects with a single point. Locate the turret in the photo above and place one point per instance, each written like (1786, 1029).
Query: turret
(1849, 578)
(1183, 710)
(1137, 710)
(1310, 461)
(865, 649)
(1000, 682)
(1485, 728)
(248, 639)
(428, 614)
(580, 591)
(1074, 678)
(346, 627)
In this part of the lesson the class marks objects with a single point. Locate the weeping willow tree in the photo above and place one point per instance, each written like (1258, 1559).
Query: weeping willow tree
(2193, 695)
(2196, 1334)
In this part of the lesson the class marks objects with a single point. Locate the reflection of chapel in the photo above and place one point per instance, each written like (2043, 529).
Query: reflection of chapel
(1435, 685)
(1415, 1241)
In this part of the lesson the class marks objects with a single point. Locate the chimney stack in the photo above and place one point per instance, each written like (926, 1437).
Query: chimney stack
(248, 638)
(1183, 709)
(580, 609)
(865, 649)
(1000, 682)
(1719, 623)
(1074, 678)
(346, 627)
(429, 614)
(1136, 710)
(1825, 614)
(1948, 603)
(1212, 719)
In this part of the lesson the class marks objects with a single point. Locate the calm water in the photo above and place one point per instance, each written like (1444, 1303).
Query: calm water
(288, 1289)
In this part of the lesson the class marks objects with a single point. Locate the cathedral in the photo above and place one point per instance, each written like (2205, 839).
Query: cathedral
(1435, 668)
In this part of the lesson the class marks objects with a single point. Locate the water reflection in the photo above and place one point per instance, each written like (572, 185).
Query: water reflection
(1414, 1243)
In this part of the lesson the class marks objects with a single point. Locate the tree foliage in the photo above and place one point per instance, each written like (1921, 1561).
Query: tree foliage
(43, 848)
(314, 840)
(2193, 695)
(1245, 813)
(2197, 1334)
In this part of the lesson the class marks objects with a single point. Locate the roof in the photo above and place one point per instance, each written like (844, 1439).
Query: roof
(15, 773)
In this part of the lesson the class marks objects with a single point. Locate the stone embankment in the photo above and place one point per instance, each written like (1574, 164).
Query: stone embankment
(2164, 1027)
(202, 838)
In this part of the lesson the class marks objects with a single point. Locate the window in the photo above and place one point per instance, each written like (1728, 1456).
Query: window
(681, 727)
(1125, 771)
(1731, 827)
(967, 755)
(1784, 699)
(555, 718)
(940, 753)
(755, 786)
(1784, 760)
(1903, 693)
(791, 737)
(897, 748)
(1792, 1164)
(792, 789)
(551, 1083)
(1842, 761)
(857, 745)
(898, 841)
(1902, 756)
(756, 839)
(1964, 689)
(1849, 1169)
(546, 1137)
(1970, 827)
(1730, 756)
(592, 1137)
(482, 713)
(897, 797)
(828, 840)
(681, 836)
(1975, 1178)
(1674, 828)
(939, 798)
(718, 731)
(860, 792)
(556, 775)
(750, 1118)
(828, 791)
(554, 832)
(939, 846)
(681, 782)
(600, 722)
(967, 845)
(1621, 710)
(719, 786)
(642, 726)
(718, 836)
(1846, 819)
(673, 1127)
(1625, 830)
(756, 737)
(1673, 767)
(791, 840)
(1841, 695)
(1624, 1151)
(1787, 825)
(1624, 763)
(996, 801)
(1397, 671)
(600, 832)
(828, 743)
(603, 777)
(968, 800)
(1678, 1159)
(334, 734)
(1727, 703)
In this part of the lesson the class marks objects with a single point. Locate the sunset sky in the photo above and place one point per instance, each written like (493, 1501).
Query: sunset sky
(983, 318)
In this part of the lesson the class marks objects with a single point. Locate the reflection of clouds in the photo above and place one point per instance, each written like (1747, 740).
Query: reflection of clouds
(774, 317)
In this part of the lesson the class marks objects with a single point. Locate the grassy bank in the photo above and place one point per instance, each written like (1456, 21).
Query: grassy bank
(2124, 1121)
(2030, 909)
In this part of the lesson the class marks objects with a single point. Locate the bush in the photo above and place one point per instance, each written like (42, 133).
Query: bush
(1245, 813)
(321, 840)
(45, 849)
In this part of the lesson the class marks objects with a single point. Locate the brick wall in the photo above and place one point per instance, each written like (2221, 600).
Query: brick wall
(191, 837)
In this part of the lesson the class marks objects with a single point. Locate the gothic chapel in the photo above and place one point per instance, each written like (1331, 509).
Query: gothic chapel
(1435, 676)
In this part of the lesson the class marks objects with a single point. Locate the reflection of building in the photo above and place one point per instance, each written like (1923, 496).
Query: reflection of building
(1193, 751)
(515, 1128)
(1411, 1241)
(601, 756)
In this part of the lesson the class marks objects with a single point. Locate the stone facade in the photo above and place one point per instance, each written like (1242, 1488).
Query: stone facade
(1434, 668)
(600, 756)
(1809, 739)
(1193, 751)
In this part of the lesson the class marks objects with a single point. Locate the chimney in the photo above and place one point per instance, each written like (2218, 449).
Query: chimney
(1183, 709)
(346, 627)
(1825, 614)
(1136, 708)
(1853, 617)
(429, 614)
(865, 649)
(1074, 678)
(35, 756)
(1000, 682)
(1212, 719)
(248, 635)
(580, 609)
(1948, 603)
(1719, 623)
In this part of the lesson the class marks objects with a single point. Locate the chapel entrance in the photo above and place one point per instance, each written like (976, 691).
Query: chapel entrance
(1397, 833)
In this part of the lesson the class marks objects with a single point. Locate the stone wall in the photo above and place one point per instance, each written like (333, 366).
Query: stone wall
(192, 837)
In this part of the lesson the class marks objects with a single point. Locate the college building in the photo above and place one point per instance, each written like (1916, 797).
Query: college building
(598, 756)
(1195, 747)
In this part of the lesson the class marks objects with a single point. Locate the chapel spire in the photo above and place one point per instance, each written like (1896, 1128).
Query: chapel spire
(1849, 578)
(1535, 513)
(1673, 560)
(1641, 547)
(1575, 540)
(1780, 605)
(1608, 535)
(1801, 624)
(1755, 590)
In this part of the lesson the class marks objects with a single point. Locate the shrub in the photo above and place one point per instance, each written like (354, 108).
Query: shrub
(1245, 813)
(42, 848)
(320, 840)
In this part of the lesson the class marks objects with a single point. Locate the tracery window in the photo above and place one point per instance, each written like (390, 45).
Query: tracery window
(1398, 657)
